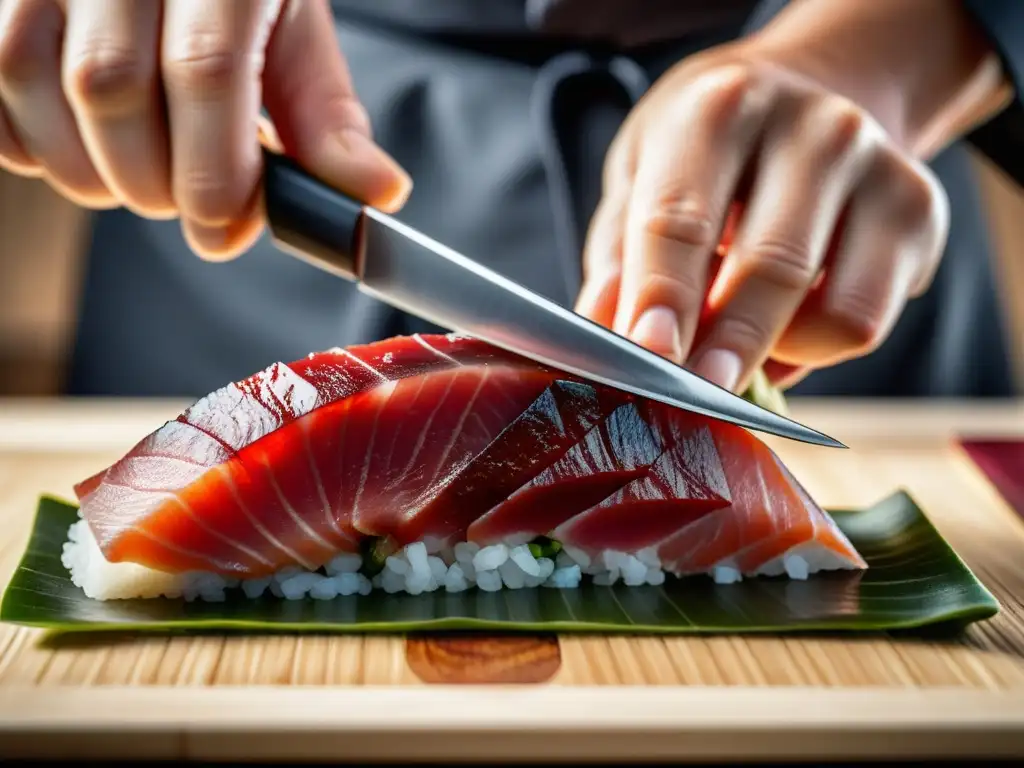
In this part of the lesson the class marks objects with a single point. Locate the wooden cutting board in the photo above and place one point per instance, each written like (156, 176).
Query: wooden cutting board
(570, 697)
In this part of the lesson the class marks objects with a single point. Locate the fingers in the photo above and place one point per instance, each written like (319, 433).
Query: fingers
(13, 155)
(212, 58)
(887, 253)
(811, 159)
(599, 298)
(784, 376)
(309, 95)
(155, 104)
(602, 260)
(36, 111)
(602, 250)
(689, 168)
(828, 228)
(110, 75)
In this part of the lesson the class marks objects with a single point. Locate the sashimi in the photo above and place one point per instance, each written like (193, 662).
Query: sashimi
(436, 462)
(647, 510)
(771, 525)
(549, 428)
(616, 455)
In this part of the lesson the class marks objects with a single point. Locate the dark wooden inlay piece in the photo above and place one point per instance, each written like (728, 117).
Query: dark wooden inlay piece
(483, 659)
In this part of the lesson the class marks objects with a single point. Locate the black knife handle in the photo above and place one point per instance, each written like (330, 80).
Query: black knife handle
(309, 217)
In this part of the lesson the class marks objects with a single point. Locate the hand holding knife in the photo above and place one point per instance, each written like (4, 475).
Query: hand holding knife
(408, 270)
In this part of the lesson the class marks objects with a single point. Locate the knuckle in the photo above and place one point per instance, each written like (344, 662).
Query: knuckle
(726, 87)
(347, 111)
(108, 77)
(743, 333)
(680, 290)
(682, 219)
(746, 98)
(731, 98)
(914, 197)
(210, 196)
(782, 263)
(205, 62)
(841, 128)
(859, 314)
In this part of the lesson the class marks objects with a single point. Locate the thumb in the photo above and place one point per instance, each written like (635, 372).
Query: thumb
(308, 93)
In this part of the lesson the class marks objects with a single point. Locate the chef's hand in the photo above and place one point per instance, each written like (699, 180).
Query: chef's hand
(809, 138)
(156, 106)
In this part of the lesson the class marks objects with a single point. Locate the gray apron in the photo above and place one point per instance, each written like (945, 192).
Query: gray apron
(503, 131)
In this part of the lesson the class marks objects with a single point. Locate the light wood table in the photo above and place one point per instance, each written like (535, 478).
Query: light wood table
(612, 698)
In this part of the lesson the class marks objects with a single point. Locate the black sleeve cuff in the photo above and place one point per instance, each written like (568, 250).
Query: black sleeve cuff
(1001, 139)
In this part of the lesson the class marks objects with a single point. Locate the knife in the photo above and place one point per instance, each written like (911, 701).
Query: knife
(404, 268)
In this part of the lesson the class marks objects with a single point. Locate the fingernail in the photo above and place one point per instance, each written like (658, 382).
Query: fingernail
(385, 183)
(205, 237)
(719, 366)
(268, 135)
(658, 330)
(220, 243)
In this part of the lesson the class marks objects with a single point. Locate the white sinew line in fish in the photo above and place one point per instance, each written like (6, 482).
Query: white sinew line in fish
(462, 422)
(328, 510)
(271, 539)
(382, 396)
(295, 516)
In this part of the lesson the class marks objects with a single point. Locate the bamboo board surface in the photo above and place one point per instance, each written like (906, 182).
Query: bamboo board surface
(599, 697)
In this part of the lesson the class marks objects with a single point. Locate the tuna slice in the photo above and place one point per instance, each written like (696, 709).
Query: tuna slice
(553, 424)
(623, 483)
(770, 526)
(276, 469)
(684, 484)
(443, 439)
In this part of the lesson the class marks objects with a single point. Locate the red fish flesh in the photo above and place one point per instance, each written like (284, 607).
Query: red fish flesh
(436, 461)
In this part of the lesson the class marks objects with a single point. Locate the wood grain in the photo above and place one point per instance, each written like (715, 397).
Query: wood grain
(479, 660)
(65, 685)
(495, 723)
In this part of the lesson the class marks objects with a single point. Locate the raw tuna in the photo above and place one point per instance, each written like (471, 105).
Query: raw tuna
(430, 461)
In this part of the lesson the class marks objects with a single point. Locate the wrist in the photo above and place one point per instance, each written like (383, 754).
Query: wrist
(921, 67)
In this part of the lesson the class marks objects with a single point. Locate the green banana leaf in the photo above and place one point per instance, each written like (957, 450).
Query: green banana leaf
(915, 580)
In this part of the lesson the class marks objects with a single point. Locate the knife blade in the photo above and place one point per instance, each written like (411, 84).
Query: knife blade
(406, 269)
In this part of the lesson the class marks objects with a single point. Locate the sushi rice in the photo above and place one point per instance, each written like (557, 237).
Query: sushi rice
(417, 568)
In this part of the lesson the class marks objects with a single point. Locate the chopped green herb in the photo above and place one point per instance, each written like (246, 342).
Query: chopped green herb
(375, 550)
(542, 546)
(765, 394)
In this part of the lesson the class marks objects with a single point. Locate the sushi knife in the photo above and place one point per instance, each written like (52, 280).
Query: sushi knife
(404, 268)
